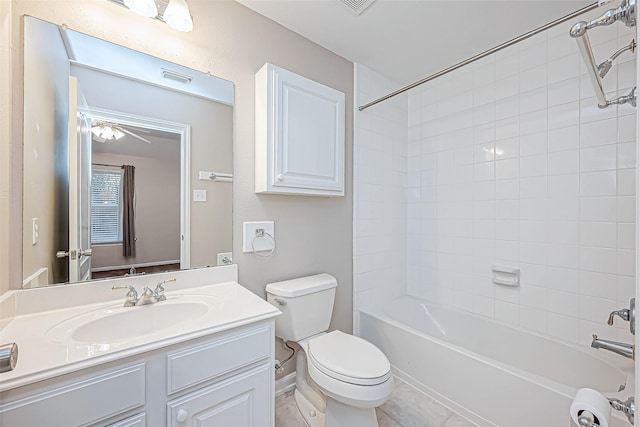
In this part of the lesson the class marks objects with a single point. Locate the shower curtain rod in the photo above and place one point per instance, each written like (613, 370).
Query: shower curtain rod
(520, 38)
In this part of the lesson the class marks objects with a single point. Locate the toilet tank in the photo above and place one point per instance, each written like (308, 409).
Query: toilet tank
(306, 304)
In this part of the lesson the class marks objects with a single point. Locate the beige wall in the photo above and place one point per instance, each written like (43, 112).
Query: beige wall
(5, 148)
(211, 149)
(47, 74)
(314, 234)
(157, 212)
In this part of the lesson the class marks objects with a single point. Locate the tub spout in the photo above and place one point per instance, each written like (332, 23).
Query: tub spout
(626, 350)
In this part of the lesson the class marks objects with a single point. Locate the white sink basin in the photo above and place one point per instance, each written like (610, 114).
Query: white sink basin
(112, 325)
(145, 320)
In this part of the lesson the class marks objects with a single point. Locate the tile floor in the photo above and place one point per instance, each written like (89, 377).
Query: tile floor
(407, 407)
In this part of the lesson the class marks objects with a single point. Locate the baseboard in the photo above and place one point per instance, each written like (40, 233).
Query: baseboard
(286, 383)
(128, 266)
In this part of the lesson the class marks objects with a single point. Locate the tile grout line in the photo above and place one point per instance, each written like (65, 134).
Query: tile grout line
(389, 415)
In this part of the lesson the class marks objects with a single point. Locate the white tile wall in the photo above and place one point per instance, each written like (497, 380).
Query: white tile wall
(508, 161)
(380, 213)
(536, 177)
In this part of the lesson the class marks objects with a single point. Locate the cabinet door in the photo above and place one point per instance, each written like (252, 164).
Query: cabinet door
(240, 401)
(300, 135)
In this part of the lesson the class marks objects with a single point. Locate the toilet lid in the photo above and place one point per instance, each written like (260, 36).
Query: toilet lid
(348, 358)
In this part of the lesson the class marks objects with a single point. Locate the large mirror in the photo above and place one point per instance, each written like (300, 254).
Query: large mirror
(127, 161)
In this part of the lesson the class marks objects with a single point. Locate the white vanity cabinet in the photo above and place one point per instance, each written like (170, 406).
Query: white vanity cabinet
(300, 135)
(241, 401)
(137, 420)
(219, 380)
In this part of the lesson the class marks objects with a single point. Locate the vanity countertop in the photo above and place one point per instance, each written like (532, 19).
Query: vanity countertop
(46, 348)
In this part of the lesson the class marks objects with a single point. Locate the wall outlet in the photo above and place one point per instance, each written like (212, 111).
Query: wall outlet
(252, 239)
(199, 195)
(225, 258)
(34, 231)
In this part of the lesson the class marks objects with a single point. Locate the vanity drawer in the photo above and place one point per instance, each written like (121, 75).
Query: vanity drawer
(206, 361)
(90, 399)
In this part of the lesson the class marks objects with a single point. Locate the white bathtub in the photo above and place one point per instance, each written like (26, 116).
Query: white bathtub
(492, 373)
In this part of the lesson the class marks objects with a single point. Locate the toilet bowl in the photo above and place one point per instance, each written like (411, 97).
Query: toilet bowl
(340, 378)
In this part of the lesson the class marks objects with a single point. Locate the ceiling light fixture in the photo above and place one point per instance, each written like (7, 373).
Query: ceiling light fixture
(177, 15)
(146, 8)
(107, 131)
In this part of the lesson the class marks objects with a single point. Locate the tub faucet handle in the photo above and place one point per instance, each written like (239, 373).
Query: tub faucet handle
(628, 314)
(623, 314)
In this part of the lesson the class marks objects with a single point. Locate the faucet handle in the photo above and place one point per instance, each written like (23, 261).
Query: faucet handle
(623, 314)
(628, 314)
(159, 291)
(132, 294)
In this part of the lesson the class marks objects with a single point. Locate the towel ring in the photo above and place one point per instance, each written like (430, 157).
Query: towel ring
(263, 233)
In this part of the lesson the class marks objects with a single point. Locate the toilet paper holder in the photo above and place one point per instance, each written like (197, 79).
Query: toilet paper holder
(628, 407)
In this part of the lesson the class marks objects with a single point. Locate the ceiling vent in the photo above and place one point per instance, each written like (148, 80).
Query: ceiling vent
(356, 6)
(176, 77)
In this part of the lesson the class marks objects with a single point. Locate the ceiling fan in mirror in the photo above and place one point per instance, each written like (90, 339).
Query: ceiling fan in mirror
(106, 131)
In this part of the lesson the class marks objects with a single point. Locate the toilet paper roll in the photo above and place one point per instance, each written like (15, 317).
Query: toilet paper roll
(588, 399)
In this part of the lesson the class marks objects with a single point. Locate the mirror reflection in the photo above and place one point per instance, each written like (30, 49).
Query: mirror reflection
(124, 156)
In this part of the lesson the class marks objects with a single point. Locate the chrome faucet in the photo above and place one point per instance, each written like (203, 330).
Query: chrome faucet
(159, 291)
(626, 350)
(147, 297)
(132, 295)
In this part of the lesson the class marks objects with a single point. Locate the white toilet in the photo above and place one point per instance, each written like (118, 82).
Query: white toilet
(340, 378)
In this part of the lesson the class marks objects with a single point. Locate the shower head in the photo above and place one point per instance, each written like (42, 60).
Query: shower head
(605, 66)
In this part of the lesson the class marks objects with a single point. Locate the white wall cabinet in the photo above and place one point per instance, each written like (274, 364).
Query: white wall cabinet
(220, 380)
(300, 135)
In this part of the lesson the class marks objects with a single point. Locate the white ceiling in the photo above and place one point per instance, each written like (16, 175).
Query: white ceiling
(406, 40)
(164, 145)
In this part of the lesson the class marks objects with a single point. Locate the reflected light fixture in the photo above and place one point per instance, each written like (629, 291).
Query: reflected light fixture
(106, 131)
(177, 15)
(174, 13)
(146, 8)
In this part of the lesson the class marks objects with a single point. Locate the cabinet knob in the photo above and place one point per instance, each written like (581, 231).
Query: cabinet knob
(182, 416)
(280, 177)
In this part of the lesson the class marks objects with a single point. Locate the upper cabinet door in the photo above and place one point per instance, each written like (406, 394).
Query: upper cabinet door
(300, 132)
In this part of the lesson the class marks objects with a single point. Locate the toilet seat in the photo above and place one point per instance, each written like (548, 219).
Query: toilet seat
(348, 358)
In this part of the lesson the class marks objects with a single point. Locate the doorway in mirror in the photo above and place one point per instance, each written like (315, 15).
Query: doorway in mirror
(135, 196)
